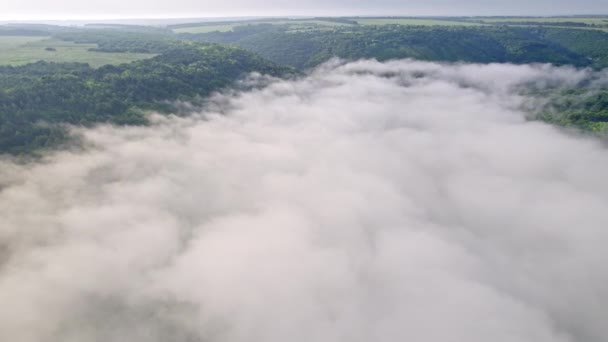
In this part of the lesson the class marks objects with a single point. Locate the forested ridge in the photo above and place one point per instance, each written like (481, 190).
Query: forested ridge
(579, 108)
(305, 49)
(37, 99)
(519, 45)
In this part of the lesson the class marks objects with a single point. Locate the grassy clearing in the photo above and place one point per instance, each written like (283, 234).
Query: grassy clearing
(416, 22)
(24, 50)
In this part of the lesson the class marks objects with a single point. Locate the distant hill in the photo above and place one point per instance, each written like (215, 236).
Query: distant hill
(483, 44)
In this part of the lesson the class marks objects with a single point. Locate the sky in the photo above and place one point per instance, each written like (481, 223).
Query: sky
(104, 9)
(366, 201)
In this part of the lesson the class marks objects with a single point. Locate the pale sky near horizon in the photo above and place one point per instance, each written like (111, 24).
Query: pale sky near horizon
(95, 9)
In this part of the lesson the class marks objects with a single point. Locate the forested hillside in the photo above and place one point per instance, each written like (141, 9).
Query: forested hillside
(305, 49)
(579, 108)
(479, 44)
(590, 43)
(36, 98)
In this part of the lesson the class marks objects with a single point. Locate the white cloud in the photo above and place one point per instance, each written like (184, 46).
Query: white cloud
(366, 202)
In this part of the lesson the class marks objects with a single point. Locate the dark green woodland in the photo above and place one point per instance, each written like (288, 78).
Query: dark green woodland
(38, 99)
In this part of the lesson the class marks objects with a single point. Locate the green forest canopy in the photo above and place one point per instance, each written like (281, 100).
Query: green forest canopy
(37, 99)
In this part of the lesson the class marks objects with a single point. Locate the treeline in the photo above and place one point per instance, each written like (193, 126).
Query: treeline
(108, 37)
(548, 23)
(237, 34)
(592, 44)
(346, 21)
(113, 40)
(16, 31)
(560, 46)
(36, 99)
(445, 43)
(127, 28)
(581, 108)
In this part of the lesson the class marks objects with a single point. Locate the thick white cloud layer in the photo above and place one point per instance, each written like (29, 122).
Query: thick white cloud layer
(399, 201)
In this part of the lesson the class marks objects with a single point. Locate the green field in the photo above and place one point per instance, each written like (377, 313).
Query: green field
(24, 50)
(415, 22)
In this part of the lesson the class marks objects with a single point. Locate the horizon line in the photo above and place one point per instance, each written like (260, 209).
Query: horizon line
(186, 17)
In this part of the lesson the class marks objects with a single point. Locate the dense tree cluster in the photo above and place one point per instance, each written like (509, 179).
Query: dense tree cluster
(579, 108)
(442, 43)
(483, 44)
(36, 99)
(592, 44)
(547, 23)
(113, 40)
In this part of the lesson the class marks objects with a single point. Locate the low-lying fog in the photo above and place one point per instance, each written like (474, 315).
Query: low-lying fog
(399, 201)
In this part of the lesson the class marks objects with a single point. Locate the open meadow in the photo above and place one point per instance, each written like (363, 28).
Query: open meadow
(19, 50)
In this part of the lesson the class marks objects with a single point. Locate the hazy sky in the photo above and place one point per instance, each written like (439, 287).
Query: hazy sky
(70, 9)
